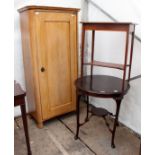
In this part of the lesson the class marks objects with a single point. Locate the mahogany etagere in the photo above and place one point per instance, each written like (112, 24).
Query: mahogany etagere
(104, 86)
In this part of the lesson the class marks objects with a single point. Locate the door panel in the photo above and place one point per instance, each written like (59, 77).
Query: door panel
(56, 53)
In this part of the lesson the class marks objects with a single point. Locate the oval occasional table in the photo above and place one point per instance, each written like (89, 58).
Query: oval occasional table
(102, 86)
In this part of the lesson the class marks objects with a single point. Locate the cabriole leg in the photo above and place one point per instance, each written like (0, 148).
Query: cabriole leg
(118, 103)
(87, 109)
(78, 96)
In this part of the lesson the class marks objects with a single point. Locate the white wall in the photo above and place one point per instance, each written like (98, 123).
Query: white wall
(107, 48)
(18, 59)
(123, 10)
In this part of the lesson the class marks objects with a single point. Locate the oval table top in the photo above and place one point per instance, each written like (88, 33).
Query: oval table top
(101, 85)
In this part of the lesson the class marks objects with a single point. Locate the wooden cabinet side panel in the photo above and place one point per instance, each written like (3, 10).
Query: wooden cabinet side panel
(37, 114)
(30, 64)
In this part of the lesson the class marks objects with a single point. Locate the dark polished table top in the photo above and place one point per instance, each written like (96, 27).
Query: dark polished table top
(101, 85)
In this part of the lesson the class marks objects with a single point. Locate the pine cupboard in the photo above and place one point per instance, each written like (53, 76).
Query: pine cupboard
(49, 44)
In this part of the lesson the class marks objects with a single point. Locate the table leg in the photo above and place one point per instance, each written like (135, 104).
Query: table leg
(86, 119)
(118, 103)
(23, 111)
(77, 114)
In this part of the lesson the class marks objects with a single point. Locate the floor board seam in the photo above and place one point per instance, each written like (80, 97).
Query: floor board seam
(58, 145)
(74, 134)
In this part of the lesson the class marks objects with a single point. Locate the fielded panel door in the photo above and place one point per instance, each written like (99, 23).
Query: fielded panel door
(56, 42)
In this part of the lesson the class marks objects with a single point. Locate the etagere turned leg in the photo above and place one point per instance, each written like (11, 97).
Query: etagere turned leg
(23, 111)
(118, 103)
(87, 115)
(78, 96)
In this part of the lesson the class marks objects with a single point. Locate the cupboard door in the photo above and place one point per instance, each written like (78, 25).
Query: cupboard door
(57, 66)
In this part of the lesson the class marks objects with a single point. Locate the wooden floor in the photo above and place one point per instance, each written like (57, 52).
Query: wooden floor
(57, 138)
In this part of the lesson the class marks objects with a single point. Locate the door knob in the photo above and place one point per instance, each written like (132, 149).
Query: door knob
(42, 69)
